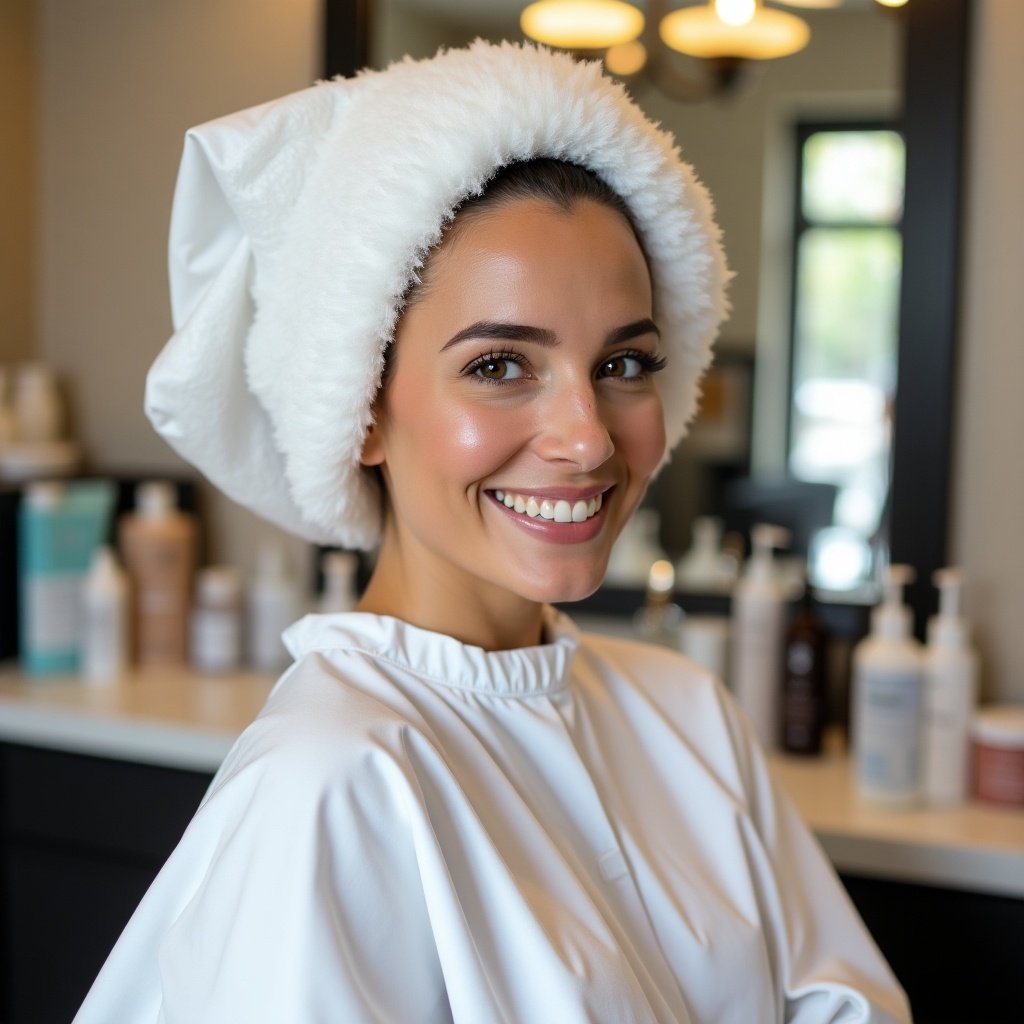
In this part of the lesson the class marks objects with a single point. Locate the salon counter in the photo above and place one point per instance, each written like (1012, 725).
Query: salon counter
(182, 720)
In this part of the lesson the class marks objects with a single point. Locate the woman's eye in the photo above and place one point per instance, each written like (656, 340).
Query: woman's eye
(498, 369)
(622, 366)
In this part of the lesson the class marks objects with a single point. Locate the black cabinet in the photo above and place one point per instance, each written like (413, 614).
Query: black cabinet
(81, 839)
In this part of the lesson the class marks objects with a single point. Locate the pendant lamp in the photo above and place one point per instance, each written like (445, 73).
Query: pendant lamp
(582, 24)
(734, 29)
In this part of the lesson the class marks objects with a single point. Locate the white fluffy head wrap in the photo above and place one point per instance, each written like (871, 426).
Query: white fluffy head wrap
(299, 225)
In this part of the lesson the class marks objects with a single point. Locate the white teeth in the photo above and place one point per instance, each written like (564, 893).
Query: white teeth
(560, 510)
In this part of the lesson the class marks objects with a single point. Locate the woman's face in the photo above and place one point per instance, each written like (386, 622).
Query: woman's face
(520, 422)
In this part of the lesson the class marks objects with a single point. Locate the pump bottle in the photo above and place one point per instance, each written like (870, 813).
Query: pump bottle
(339, 594)
(158, 545)
(660, 621)
(950, 695)
(758, 631)
(887, 697)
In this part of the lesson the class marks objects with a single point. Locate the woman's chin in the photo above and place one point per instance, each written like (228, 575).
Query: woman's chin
(564, 590)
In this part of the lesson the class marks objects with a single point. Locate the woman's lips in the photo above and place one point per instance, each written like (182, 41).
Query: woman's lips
(555, 525)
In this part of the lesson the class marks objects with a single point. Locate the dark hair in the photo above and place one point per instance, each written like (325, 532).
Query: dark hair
(558, 182)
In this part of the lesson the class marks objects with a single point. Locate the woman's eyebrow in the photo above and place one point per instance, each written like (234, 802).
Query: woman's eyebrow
(633, 330)
(497, 329)
(503, 331)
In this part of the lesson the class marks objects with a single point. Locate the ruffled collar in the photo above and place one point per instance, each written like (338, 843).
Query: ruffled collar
(440, 659)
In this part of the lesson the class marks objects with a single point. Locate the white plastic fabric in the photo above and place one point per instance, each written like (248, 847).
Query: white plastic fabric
(418, 832)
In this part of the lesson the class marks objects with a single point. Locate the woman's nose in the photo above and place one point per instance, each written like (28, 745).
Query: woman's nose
(574, 431)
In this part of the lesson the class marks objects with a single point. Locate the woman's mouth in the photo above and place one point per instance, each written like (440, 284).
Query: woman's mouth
(559, 510)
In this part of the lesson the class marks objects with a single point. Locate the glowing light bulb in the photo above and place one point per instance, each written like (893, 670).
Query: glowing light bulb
(735, 12)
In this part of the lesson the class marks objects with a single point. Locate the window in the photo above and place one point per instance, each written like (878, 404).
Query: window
(845, 316)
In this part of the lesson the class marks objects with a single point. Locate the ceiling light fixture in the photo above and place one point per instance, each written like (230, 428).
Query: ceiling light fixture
(722, 34)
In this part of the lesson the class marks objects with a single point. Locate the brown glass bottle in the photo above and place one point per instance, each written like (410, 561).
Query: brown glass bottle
(804, 682)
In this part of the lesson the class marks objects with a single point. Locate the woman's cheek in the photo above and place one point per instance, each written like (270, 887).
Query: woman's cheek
(644, 437)
(482, 438)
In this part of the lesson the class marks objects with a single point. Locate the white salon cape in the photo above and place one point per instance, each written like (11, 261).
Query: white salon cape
(414, 831)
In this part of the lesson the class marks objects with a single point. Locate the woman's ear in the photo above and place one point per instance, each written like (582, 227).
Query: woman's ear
(373, 446)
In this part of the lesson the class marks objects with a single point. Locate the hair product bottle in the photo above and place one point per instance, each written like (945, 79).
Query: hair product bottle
(887, 685)
(804, 681)
(339, 594)
(158, 545)
(758, 630)
(660, 621)
(950, 696)
(104, 619)
(217, 620)
(274, 604)
(59, 528)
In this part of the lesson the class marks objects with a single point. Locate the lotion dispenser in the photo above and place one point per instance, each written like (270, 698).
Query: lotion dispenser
(887, 701)
(758, 632)
(950, 694)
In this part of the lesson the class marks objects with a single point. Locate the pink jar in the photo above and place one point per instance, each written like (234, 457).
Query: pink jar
(997, 754)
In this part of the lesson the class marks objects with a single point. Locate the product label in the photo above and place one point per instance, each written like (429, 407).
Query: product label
(887, 729)
(52, 612)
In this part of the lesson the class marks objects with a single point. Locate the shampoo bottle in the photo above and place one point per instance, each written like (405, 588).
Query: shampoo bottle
(274, 604)
(804, 681)
(660, 621)
(758, 630)
(339, 594)
(950, 696)
(104, 619)
(158, 545)
(887, 685)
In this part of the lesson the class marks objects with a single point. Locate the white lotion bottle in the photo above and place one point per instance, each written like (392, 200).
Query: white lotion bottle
(104, 619)
(274, 604)
(950, 696)
(888, 674)
(339, 594)
(758, 634)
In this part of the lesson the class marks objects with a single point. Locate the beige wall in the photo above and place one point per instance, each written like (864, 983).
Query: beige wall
(988, 506)
(17, 173)
(120, 83)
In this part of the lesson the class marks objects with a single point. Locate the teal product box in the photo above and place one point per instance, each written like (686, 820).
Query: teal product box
(60, 525)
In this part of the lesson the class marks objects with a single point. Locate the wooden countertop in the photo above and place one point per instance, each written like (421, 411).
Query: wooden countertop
(181, 719)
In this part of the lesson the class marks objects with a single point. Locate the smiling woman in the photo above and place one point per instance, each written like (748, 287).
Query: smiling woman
(456, 808)
(548, 396)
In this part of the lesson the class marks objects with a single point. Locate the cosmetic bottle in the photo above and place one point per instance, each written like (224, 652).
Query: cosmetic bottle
(59, 528)
(339, 593)
(635, 550)
(950, 696)
(216, 620)
(37, 406)
(804, 680)
(104, 619)
(273, 604)
(660, 621)
(158, 546)
(758, 630)
(705, 568)
(887, 697)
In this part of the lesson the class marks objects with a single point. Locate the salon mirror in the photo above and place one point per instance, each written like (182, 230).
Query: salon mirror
(865, 67)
